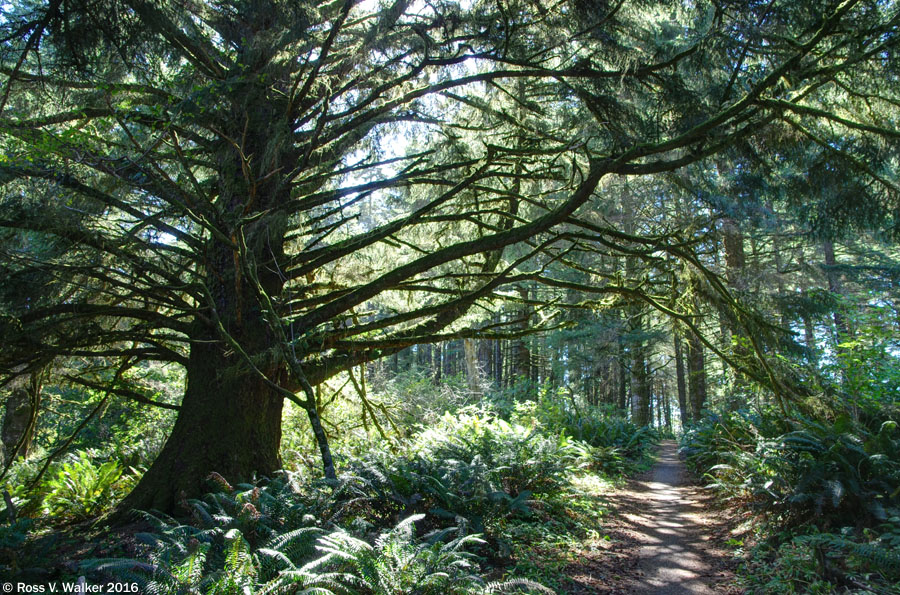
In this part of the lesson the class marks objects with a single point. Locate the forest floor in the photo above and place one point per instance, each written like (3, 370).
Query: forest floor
(666, 536)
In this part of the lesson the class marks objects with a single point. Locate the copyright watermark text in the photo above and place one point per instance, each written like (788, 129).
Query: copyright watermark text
(79, 587)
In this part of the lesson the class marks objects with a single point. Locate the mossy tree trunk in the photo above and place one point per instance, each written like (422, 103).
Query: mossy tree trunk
(229, 423)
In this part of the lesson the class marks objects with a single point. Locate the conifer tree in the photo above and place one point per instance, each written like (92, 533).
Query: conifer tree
(235, 186)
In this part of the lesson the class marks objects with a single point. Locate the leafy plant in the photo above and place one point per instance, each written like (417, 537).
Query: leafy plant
(184, 559)
(80, 488)
(825, 471)
(825, 563)
(472, 465)
(217, 556)
(619, 445)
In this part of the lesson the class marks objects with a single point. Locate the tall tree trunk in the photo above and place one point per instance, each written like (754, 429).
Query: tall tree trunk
(229, 423)
(809, 331)
(20, 417)
(842, 330)
(735, 263)
(498, 363)
(437, 364)
(553, 377)
(449, 353)
(521, 356)
(484, 352)
(473, 373)
(640, 412)
(696, 376)
(667, 404)
(622, 376)
(680, 379)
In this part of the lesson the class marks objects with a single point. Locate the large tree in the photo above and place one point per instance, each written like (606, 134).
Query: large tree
(232, 185)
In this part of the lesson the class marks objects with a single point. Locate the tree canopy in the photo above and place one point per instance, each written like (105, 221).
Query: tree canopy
(270, 192)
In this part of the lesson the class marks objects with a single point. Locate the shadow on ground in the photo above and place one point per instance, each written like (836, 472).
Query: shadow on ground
(662, 538)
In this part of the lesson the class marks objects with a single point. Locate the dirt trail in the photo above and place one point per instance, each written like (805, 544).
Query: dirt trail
(674, 558)
(664, 534)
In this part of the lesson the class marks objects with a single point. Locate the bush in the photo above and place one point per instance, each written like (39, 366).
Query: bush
(183, 559)
(822, 472)
(811, 480)
(826, 563)
(619, 445)
(398, 563)
(237, 540)
(81, 488)
(473, 466)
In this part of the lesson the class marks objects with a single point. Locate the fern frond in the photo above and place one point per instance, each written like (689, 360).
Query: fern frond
(516, 585)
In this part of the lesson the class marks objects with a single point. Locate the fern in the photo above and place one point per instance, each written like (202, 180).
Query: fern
(518, 585)
(873, 555)
(217, 557)
(820, 471)
(80, 488)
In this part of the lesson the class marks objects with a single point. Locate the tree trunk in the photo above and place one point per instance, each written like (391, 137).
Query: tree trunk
(20, 418)
(809, 331)
(437, 363)
(667, 404)
(640, 412)
(696, 376)
(229, 423)
(521, 357)
(735, 263)
(498, 363)
(473, 374)
(622, 377)
(680, 380)
(842, 330)
(484, 353)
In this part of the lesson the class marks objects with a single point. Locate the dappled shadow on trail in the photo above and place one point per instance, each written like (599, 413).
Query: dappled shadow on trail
(661, 538)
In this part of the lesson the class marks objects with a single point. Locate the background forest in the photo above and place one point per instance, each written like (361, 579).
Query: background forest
(386, 296)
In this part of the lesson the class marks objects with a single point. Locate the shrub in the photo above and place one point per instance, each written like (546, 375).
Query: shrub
(473, 466)
(235, 541)
(825, 563)
(619, 444)
(183, 559)
(821, 471)
(398, 563)
(80, 488)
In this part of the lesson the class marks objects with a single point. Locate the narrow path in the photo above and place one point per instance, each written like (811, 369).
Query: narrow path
(663, 537)
(675, 557)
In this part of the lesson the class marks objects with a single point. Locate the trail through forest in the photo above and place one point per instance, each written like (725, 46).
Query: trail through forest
(664, 538)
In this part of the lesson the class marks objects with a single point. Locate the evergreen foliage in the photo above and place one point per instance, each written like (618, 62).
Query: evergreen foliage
(79, 488)
(270, 193)
(447, 263)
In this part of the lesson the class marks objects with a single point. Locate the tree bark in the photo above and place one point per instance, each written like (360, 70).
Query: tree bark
(735, 263)
(498, 363)
(473, 374)
(622, 384)
(521, 356)
(842, 330)
(640, 412)
(680, 380)
(20, 418)
(229, 423)
(696, 376)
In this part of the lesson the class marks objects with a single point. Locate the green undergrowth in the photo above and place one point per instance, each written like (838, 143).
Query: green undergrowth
(826, 490)
(559, 532)
(475, 502)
